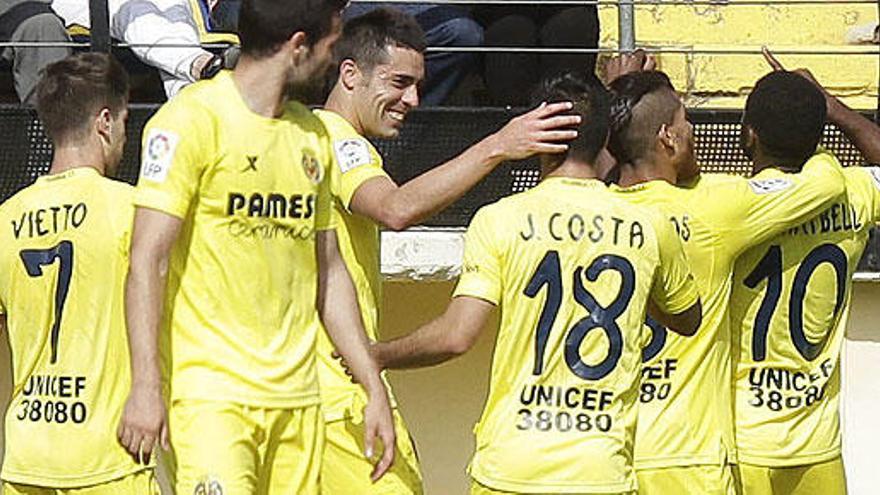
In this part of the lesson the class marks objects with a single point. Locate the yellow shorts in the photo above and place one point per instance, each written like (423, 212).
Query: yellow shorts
(824, 478)
(478, 489)
(139, 483)
(702, 479)
(231, 449)
(346, 471)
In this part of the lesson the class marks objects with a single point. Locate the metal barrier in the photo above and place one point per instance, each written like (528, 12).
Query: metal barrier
(430, 136)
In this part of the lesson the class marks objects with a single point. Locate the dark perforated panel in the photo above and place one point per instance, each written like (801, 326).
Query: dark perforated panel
(430, 137)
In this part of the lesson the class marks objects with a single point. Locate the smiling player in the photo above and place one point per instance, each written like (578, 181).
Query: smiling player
(381, 66)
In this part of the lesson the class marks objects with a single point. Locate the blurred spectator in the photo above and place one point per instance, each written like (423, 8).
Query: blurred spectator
(147, 23)
(511, 77)
(444, 26)
(30, 20)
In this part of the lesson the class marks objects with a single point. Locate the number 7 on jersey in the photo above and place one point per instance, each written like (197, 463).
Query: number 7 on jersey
(34, 260)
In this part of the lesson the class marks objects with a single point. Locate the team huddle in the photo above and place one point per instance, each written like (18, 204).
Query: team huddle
(662, 330)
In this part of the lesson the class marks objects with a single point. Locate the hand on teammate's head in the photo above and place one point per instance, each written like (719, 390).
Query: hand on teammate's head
(543, 130)
(625, 63)
(834, 105)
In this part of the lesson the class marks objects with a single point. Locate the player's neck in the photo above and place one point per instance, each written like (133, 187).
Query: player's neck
(261, 84)
(762, 160)
(570, 169)
(70, 157)
(339, 102)
(645, 171)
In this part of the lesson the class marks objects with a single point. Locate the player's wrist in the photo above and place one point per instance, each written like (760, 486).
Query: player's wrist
(493, 151)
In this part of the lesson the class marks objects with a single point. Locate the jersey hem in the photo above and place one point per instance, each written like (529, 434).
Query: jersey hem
(291, 402)
(789, 461)
(53, 481)
(678, 461)
(338, 406)
(544, 487)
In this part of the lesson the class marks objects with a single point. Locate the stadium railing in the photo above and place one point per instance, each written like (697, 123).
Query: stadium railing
(436, 134)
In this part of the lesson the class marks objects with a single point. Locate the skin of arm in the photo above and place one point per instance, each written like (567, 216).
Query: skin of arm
(864, 134)
(541, 130)
(448, 336)
(339, 311)
(144, 418)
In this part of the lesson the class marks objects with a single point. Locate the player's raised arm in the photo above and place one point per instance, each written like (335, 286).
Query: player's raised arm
(544, 129)
(144, 419)
(338, 307)
(863, 133)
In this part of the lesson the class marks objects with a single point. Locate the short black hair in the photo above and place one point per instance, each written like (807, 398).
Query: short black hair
(73, 90)
(636, 119)
(591, 102)
(365, 38)
(788, 113)
(264, 25)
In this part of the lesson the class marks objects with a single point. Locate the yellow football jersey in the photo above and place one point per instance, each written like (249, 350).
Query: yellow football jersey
(571, 266)
(240, 322)
(355, 161)
(65, 252)
(684, 415)
(790, 303)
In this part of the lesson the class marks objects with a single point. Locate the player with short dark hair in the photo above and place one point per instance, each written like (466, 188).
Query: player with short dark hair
(573, 269)
(263, 26)
(787, 98)
(380, 70)
(791, 297)
(685, 440)
(234, 209)
(65, 252)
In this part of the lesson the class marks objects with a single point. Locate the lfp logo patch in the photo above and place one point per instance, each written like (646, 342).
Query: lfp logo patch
(158, 154)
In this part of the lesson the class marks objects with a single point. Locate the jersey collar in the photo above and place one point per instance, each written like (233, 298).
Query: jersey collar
(68, 174)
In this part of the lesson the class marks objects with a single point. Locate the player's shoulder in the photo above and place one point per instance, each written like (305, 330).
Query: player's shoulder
(869, 175)
(336, 124)
(204, 100)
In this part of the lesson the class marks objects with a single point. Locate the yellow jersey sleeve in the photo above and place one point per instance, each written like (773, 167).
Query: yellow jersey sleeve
(177, 147)
(674, 289)
(354, 159)
(481, 267)
(748, 212)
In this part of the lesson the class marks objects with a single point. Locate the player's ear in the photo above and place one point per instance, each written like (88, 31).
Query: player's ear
(748, 139)
(349, 74)
(298, 47)
(667, 138)
(104, 123)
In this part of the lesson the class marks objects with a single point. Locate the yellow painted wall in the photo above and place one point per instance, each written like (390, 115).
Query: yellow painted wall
(713, 81)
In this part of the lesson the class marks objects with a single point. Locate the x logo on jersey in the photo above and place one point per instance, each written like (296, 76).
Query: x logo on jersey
(252, 163)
